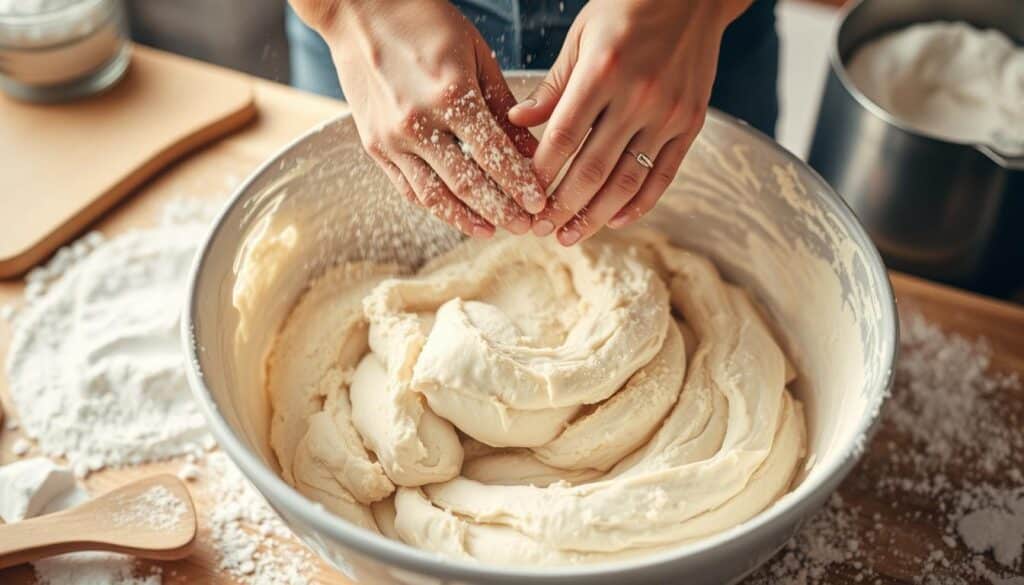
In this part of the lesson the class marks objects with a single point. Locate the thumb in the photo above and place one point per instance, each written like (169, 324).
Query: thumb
(538, 106)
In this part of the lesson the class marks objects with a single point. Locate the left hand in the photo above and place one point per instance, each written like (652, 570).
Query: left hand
(636, 75)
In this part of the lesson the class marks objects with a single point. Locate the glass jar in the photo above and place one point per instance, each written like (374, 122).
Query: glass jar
(59, 50)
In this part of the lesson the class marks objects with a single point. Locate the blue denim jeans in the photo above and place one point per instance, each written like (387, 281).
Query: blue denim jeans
(527, 34)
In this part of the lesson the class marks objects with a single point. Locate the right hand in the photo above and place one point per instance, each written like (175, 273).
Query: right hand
(431, 107)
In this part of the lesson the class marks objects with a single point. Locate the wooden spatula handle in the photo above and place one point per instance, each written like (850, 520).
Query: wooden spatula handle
(67, 532)
(36, 538)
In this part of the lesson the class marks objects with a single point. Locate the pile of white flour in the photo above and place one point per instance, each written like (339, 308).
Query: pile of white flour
(96, 375)
(947, 79)
(95, 366)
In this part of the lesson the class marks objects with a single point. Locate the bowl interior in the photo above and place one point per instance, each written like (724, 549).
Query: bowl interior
(768, 222)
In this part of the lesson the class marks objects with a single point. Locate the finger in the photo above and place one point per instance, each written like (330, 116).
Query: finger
(538, 106)
(494, 152)
(589, 171)
(399, 181)
(430, 192)
(574, 114)
(661, 176)
(500, 100)
(622, 185)
(470, 185)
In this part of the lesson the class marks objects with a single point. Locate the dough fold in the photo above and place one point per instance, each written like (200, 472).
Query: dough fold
(515, 401)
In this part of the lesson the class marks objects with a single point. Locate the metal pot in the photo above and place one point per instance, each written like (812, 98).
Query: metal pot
(948, 211)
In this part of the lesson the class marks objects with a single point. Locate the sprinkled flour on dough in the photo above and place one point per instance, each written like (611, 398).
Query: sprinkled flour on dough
(946, 437)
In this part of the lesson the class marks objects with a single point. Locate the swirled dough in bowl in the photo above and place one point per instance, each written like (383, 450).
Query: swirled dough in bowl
(515, 401)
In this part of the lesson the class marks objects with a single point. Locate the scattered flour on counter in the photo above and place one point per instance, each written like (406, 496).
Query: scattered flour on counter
(994, 522)
(247, 533)
(97, 375)
(158, 508)
(945, 404)
(944, 401)
(95, 365)
(32, 487)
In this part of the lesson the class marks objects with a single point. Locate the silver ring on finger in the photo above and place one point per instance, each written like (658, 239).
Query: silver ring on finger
(642, 159)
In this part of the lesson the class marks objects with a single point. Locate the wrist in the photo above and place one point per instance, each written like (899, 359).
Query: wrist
(327, 16)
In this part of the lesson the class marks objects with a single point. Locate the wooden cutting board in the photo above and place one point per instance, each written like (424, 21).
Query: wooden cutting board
(62, 166)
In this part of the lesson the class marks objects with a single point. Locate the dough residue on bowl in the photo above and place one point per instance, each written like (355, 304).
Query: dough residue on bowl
(947, 79)
(515, 401)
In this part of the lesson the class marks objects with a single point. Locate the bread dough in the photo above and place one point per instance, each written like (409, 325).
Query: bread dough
(515, 401)
(949, 80)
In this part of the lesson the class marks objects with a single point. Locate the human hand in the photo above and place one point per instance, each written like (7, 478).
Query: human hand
(636, 75)
(431, 104)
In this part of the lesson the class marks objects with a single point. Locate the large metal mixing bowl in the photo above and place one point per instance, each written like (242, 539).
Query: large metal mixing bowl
(767, 220)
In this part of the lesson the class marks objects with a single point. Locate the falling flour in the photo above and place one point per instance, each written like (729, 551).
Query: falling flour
(95, 366)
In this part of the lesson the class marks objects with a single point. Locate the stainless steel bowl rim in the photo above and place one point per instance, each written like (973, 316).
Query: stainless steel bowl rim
(1003, 159)
(407, 557)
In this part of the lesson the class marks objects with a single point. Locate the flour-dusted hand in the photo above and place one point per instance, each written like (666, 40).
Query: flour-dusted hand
(431, 107)
(629, 90)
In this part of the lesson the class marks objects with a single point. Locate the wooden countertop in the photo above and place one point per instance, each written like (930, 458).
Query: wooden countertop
(284, 114)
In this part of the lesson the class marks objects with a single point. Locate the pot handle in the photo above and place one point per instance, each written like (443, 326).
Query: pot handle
(1006, 153)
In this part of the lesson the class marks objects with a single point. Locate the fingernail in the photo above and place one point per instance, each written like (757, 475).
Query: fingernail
(543, 228)
(618, 221)
(535, 200)
(525, 104)
(519, 226)
(481, 232)
(569, 236)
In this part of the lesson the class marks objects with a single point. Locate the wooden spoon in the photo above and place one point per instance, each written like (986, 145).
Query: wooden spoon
(140, 519)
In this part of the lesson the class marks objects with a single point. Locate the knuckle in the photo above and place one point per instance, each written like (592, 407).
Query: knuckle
(610, 59)
(431, 198)
(591, 171)
(411, 122)
(687, 117)
(629, 181)
(563, 140)
(663, 178)
(547, 86)
(374, 145)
